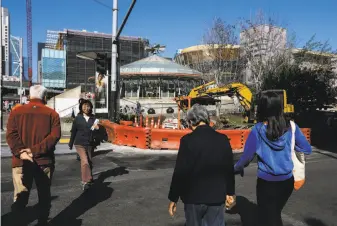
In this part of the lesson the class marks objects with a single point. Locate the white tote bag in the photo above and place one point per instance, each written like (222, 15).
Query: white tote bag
(298, 160)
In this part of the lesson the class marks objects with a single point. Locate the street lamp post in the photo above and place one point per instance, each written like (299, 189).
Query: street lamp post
(114, 91)
(113, 88)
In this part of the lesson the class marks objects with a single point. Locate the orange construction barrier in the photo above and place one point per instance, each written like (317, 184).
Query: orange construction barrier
(235, 138)
(132, 136)
(126, 123)
(307, 133)
(166, 139)
(157, 138)
(110, 129)
(245, 134)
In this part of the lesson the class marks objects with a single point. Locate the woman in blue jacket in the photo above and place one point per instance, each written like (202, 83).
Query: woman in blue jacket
(270, 140)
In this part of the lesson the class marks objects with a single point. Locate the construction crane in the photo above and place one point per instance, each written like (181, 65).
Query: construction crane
(29, 40)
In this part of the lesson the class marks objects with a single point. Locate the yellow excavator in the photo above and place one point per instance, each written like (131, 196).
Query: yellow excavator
(207, 95)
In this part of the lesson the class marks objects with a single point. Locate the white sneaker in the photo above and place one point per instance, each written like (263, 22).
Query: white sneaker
(85, 185)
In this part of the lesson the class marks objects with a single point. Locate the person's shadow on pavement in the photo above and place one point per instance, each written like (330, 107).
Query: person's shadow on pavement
(26, 217)
(98, 192)
(314, 222)
(247, 211)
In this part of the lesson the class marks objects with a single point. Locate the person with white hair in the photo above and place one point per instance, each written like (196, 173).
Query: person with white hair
(203, 176)
(33, 130)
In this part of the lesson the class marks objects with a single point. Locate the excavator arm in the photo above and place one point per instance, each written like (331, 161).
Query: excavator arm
(206, 94)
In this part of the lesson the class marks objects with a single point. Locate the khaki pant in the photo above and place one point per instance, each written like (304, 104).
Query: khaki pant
(85, 153)
(23, 179)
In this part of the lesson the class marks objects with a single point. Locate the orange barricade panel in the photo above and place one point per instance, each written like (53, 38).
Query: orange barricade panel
(145, 138)
(166, 138)
(235, 138)
(109, 127)
(126, 123)
(132, 136)
(307, 133)
(245, 134)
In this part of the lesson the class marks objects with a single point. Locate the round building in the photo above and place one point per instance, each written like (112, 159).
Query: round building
(154, 82)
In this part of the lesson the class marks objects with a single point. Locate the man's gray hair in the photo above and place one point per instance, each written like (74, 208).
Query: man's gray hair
(37, 92)
(197, 114)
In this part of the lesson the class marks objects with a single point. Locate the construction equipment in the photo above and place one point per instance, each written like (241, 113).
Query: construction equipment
(29, 40)
(288, 109)
(208, 93)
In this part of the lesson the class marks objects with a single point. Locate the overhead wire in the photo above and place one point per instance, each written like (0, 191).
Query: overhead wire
(101, 3)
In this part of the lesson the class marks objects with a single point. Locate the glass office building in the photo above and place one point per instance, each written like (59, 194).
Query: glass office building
(15, 56)
(53, 66)
(78, 71)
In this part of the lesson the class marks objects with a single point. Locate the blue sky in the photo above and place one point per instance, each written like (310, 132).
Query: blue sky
(174, 23)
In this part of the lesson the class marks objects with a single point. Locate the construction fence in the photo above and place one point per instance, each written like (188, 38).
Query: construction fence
(167, 139)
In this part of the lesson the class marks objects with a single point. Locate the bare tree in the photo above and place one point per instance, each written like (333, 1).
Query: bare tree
(219, 57)
(264, 48)
(316, 55)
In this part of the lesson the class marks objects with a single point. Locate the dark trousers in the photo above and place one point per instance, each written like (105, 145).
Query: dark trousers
(23, 179)
(204, 215)
(271, 198)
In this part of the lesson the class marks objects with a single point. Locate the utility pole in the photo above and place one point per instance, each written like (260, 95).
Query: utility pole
(115, 60)
(113, 88)
(1, 84)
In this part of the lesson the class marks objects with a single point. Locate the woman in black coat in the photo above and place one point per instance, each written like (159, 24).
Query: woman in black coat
(82, 136)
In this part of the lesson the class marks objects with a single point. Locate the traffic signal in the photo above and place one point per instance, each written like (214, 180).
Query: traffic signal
(101, 66)
(103, 63)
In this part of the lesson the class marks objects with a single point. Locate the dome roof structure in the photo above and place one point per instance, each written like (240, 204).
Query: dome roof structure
(154, 65)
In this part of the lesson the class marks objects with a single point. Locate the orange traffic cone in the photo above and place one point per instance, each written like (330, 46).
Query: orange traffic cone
(136, 123)
(141, 120)
(152, 122)
(158, 123)
(147, 122)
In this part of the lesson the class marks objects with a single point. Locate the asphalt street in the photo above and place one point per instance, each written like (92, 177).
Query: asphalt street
(131, 189)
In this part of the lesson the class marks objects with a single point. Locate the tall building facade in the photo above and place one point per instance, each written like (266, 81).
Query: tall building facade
(25, 69)
(78, 71)
(5, 22)
(220, 62)
(40, 46)
(15, 56)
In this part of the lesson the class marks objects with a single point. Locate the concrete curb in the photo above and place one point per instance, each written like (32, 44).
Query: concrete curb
(64, 140)
(61, 141)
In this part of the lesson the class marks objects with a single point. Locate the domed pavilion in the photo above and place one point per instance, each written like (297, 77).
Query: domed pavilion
(155, 81)
(156, 77)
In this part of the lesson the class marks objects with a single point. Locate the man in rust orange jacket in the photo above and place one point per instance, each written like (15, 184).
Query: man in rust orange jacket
(33, 131)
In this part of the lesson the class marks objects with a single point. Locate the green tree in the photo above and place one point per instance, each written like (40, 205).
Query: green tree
(307, 89)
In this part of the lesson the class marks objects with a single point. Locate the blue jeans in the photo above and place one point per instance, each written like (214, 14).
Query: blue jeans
(204, 215)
